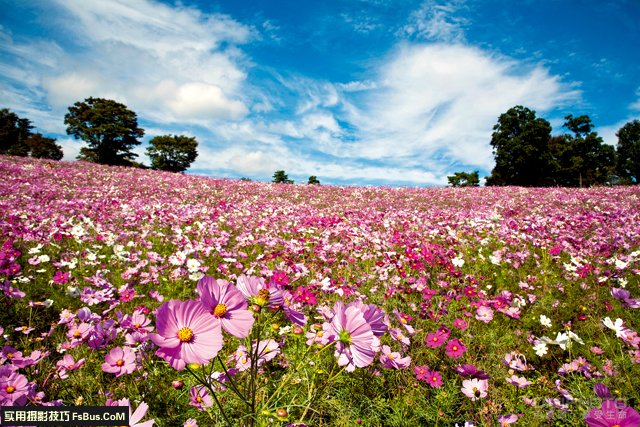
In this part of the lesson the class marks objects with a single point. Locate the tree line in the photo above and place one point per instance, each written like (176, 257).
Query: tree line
(527, 155)
(110, 131)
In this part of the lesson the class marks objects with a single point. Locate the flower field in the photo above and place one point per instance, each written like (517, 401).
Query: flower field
(202, 302)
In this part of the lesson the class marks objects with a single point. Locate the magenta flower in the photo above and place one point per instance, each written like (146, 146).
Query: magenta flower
(455, 348)
(436, 339)
(200, 398)
(393, 359)
(460, 324)
(186, 334)
(355, 342)
(471, 371)
(475, 388)
(612, 413)
(434, 379)
(421, 372)
(120, 361)
(226, 303)
(507, 420)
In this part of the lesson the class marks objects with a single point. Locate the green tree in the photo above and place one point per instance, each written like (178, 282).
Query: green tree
(313, 180)
(586, 160)
(628, 152)
(42, 147)
(464, 179)
(280, 177)
(520, 149)
(108, 127)
(173, 153)
(14, 133)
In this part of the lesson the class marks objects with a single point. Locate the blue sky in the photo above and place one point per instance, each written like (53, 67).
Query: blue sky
(381, 92)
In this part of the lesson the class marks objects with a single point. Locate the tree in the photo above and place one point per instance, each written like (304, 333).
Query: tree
(464, 179)
(519, 144)
(628, 152)
(280, 177)
(108, 127)
(16, 139)
(313, 180)
(173, 153)
(14, 133)
(42, 147)
(587, 160)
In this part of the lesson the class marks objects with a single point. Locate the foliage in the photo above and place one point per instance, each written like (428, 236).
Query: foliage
(173, 153)
(280, 177)
(17, 139)
(526, 154)
(519, 144)
(590, 161)
(536, 288)
(108, 127)
(464, 179)
(42, 147)
(313, 180)
(628, 151)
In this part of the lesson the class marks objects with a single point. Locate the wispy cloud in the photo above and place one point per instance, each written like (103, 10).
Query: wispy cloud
(437, 21)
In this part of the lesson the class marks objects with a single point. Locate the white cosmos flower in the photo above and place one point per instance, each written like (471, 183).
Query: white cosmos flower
(545, 321)
(617, 326)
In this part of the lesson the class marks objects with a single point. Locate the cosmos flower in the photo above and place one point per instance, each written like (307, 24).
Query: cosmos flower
(258, 292)
(355, 342)
(226, 303)
(137, 415)
(200, 398)
(484, 314)
(612, 414)
(120, 361)
(394, 360)
(186, 334)
(455, 348)
(475, 388)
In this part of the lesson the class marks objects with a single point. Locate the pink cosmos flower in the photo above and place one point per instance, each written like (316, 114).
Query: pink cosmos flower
(257, 292)
(520, 382)
(226, 303)
(460, 324)
(475, 388)
(137, 415)
(612, 413)
(120, 361)
(67, 364)
(455, 348)
(200, 398)
(186, 334)
(393, 359)
(421, 372)
(14, 390)
(484, 314)
(436, 339)
(434, 379)
(355, 342)
(507, 420)
(190, 423)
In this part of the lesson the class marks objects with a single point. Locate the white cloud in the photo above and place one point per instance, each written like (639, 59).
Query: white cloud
(444, 99)
(437, 21)
(174, 64)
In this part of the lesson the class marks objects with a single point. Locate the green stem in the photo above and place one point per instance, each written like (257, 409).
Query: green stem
(213, 393)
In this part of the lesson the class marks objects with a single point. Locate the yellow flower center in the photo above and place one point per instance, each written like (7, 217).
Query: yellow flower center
(10, 355)
(390, 356)
(9, 389)
(262, 298)
(454, 348)
(220, 310)
(185, 335)
(120, 362)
